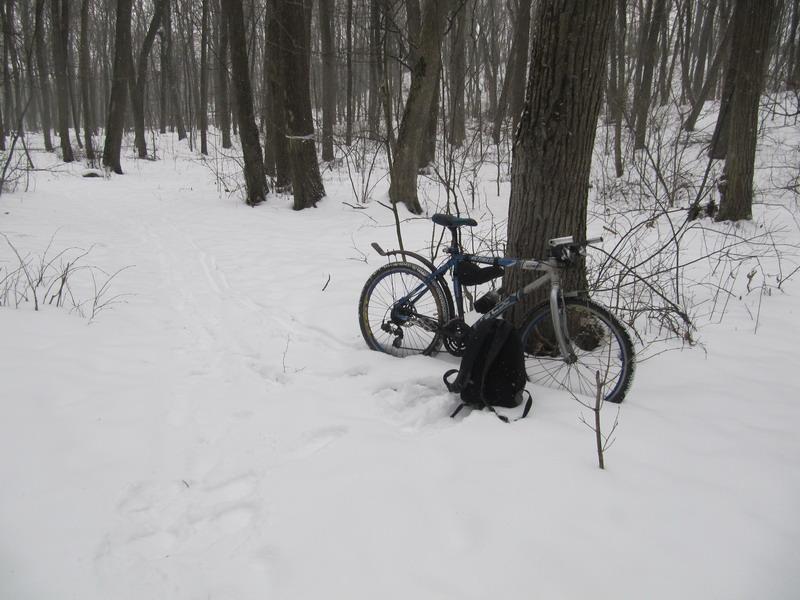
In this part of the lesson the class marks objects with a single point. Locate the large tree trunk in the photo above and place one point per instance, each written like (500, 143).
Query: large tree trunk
(327, 22)
(254, 176)
(44, 83)
(295, 38)
(417, 113)
(60, 20)
(751, 22)
(556, 133)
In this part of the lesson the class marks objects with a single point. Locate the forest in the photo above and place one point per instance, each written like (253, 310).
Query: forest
(200, 199)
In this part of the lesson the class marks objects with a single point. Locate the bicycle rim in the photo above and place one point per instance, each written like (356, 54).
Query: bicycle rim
(418, 332)
(600, 343)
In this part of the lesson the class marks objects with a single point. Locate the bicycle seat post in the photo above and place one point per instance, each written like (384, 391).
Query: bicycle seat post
(455, 244)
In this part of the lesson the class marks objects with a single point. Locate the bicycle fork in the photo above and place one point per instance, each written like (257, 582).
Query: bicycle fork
(558, 312)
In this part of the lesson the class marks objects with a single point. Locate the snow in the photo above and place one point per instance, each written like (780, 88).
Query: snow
(221, 430)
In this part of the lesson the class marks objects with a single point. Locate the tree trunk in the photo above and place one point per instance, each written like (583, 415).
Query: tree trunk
(223, 97)
(172, 78)
(139, 82)
(44, 83)
(711, 77)
(254, 176)
(751, 22)
(327, 10)
(202, 107)
(375, 70)
(295, 53)
(84, 69)
(60, 20)
(348, 138)
(416, 116)
(556, 134)
(512, 95)
(644, 91)
(276, 118)
(457, 131)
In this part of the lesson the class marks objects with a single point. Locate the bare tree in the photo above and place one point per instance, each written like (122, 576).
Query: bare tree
(119, 87)
(294, 17)
(84, 69)
(254, 176)
(60, 20)
(751, 23)
(424, 78)
(41, 63)
(328, 34)
(138, 80)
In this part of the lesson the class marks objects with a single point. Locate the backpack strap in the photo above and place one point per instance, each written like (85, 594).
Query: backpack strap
(503, 418)
(451, 387)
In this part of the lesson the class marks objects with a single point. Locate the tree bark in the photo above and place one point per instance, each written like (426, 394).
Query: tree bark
(710, 82)
(556, 134)
(512, 95)
(276, 118)
(60, 20)
(254, 175)
(44, 83)
(416, 116)
(458, 66)
(327, 10)
(348, 136)
(139, 81)
(202, 107)
(644, 91)
(751, 22)
(223, 97)
(171, 75)
(84, 69)
(295, 53)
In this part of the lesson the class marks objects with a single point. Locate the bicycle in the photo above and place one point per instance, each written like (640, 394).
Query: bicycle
(408, 308)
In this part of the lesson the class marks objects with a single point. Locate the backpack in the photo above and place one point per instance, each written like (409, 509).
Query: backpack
(492, 371)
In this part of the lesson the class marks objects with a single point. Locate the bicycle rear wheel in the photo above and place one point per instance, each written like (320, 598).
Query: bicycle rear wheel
(600, 343)
(401, 329)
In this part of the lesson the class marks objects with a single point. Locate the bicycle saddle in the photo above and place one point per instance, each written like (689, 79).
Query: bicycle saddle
(452, 221)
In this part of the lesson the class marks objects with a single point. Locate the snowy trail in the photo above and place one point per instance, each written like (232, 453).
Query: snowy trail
(224, 433)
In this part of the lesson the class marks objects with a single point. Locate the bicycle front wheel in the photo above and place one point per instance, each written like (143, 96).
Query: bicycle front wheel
(401, 328)
(600, 343)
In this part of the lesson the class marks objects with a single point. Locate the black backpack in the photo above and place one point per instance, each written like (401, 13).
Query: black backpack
(492, 371)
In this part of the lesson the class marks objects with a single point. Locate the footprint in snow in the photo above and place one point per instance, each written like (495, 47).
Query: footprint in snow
(314, 441)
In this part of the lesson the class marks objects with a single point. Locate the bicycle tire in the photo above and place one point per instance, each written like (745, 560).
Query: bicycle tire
(380, 294)
(601, 344)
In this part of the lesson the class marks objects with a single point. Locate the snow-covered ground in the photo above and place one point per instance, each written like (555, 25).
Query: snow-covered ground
(221, 431)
